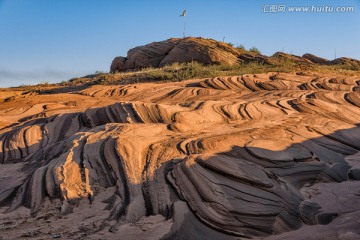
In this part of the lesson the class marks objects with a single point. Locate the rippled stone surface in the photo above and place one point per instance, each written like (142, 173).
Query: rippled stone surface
(253, 156)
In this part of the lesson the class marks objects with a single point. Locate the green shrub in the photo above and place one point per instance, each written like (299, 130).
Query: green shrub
(241, 46)
(255, 50)
(184, 71)
(231, 44)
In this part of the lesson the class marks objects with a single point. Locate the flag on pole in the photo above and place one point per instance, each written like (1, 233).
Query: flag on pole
(184, 15)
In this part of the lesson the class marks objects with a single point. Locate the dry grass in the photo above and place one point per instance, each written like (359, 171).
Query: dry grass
(182, 71)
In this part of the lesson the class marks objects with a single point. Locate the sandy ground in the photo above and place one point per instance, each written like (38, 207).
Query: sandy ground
(267, 156)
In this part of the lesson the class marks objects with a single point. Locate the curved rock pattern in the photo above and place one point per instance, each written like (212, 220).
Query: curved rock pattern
(177, 50)
(224, 157)
(209, 51)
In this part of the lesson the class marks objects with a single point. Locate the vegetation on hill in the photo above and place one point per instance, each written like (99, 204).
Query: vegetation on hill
(183, 71)
(189, 58)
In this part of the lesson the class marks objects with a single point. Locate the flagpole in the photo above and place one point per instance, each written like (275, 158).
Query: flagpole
(184, 15)
(184, 26)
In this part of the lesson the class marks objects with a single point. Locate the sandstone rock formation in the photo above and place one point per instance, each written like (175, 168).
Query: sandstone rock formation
(346, 61)
(315, 59)
(158, 54)
(290, 57)
(254, 156)
(208, 51)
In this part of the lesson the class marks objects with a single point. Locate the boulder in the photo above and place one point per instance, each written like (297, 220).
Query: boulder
(315, 59)
(118, 64)
(290, 57)
(346, 61)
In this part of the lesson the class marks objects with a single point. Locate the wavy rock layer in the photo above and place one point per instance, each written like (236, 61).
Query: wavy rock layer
(209, 51)
(175, 50)
(221, 158)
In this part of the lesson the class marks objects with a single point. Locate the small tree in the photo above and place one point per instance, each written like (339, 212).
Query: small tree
(255, 50)
(241, 46)
(231, 44)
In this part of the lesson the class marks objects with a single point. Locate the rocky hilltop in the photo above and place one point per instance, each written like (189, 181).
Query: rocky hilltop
(173, 50)
(206, 51)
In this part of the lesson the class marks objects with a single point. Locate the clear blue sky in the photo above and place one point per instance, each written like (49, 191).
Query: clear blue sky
(55, 40)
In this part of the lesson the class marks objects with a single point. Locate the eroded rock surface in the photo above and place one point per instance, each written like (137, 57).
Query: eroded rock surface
(252, 156)
(177, 50)
(209, 51)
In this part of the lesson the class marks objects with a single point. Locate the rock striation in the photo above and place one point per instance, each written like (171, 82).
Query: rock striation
(316, 59)
(208, 51)
(225, 158)
(158, 54)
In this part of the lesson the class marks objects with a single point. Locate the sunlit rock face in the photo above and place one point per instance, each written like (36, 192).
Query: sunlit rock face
(209, 52)
(256, 156)
(178, 50)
